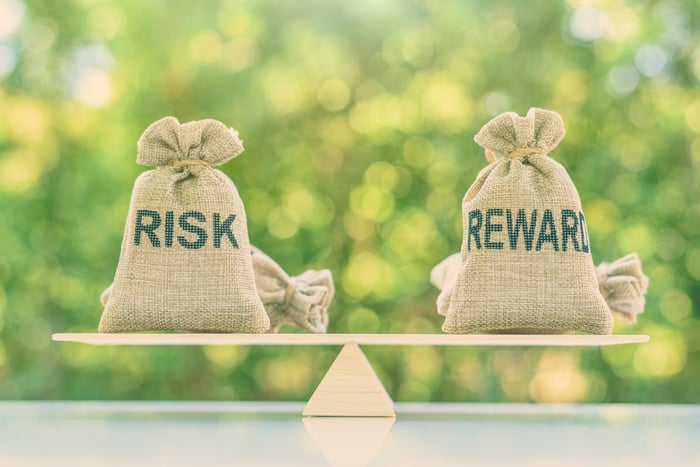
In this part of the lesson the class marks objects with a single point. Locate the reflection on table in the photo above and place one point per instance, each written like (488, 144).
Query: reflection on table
(237, 433)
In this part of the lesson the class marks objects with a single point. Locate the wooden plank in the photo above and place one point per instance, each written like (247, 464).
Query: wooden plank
(342, 339)
(350, 388)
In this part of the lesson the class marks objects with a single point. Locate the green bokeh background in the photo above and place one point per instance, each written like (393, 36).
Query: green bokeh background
(358, 120)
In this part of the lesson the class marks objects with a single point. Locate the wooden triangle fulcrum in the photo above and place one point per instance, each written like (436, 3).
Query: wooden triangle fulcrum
(350, 388)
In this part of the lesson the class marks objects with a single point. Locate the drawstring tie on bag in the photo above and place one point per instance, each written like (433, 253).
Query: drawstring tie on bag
(184, 174)
(623, 285)
(518, 152)
(186, 162)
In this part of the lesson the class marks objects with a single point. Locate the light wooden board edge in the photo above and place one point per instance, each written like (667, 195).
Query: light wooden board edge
(342, 339)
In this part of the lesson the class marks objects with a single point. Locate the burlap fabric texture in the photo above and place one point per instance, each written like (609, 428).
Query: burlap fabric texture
(300, 301)
(185, 262)
(622, 283)
(526, 265)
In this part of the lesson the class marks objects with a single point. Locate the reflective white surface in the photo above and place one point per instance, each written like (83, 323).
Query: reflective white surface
(268, 434)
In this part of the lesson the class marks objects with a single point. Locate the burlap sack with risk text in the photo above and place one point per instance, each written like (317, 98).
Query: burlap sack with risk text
(185, 262)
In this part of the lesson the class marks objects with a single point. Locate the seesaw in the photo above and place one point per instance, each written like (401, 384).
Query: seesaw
(350, 387)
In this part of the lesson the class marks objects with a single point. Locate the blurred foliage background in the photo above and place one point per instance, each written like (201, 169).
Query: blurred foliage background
(358, 120)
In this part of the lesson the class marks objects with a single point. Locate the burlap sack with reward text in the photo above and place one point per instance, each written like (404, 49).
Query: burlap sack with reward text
(526, 264)
(185, 262)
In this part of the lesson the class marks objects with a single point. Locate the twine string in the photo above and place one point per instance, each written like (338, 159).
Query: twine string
(518, 152)
(288, 294)
(183, 163)
(524, 152)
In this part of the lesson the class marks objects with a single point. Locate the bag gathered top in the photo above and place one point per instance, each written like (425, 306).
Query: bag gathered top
(525, 265)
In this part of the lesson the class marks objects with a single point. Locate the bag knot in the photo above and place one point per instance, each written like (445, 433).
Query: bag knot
(510, 135)
(204, 142)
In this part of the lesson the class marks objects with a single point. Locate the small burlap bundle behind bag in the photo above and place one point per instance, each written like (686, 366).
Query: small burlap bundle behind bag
(624, 285)
(185, 262)
(526, 265)
(301, 300)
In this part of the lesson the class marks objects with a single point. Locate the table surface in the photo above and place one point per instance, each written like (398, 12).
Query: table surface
(273, 433)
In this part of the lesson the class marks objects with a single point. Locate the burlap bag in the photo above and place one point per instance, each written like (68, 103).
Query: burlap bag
(443, 276)
(301, 301)
(185, 262)
(622, 284)
(526, 265)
